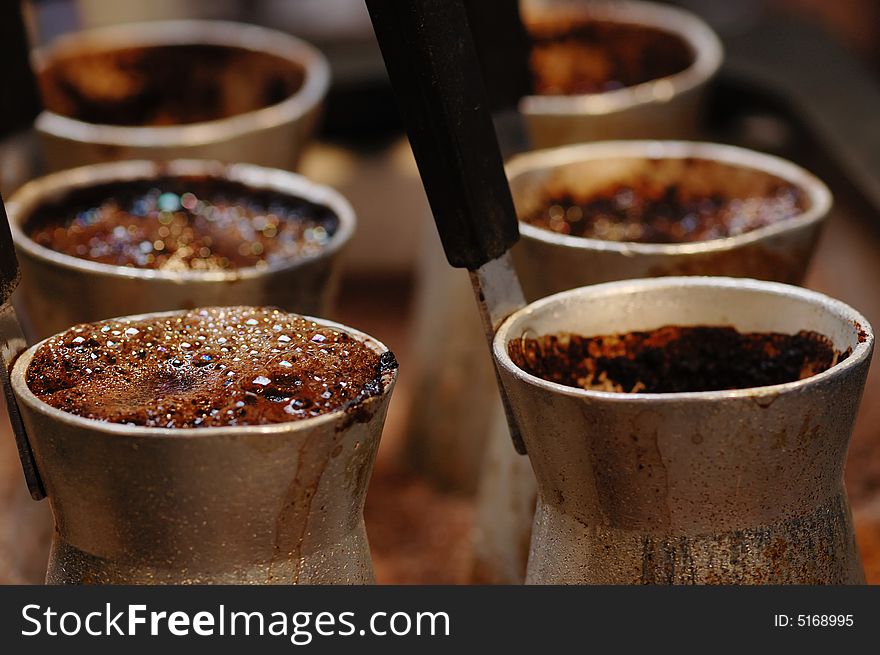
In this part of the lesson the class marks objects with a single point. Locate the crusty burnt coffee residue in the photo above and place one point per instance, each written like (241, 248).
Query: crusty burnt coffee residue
(181, 223)
(206, 368)
(166, 85)
(675, 359)
(591, 56)
(863, 335)
(358, 411)
(669, 214)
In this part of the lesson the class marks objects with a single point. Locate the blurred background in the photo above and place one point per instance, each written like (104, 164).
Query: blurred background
(421, 532)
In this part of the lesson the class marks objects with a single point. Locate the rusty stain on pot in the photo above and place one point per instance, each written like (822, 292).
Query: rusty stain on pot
(295, 516)
(296, 512)
(358, 475)
(765, 401)
(807, 430)
(631, 480)
(779, 439)
(760, 555)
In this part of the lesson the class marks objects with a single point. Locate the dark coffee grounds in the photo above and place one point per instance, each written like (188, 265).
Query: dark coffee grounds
(167, 85)
(676, 359)
(669, 214)
(206, 368)
(577, 57)
(182, 223)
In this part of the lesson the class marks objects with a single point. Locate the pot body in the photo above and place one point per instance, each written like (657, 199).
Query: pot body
(58, 291)
(664, 108)
(278, 504)
(676, 118)
(547, 268)
(95, 13)
(278, 146)
(273, 136)
(549, 262)
(727, 487)
(53, 298)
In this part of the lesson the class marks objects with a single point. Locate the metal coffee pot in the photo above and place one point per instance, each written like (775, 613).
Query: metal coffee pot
(727, 487)
(273, 504)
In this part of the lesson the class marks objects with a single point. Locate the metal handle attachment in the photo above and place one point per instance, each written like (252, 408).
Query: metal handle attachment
(433, 65)
(12, 344)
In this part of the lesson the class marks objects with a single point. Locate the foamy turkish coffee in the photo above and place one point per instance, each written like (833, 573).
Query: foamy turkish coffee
(654, 205)
(212, 367)
(182, 223)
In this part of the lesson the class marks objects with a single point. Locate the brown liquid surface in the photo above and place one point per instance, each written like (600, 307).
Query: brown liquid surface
(183, 223)
(206, 368)
(577, 57)
(675, 359)
(668, 214)
(167, 85)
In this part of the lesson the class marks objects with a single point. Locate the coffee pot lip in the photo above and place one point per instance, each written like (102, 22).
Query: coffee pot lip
(27, 398)
(860, 356)
(229, 34)
(817, 192)
(54, 185)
